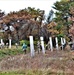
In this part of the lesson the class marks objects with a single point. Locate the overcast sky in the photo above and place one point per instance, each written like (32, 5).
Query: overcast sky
(16, 5)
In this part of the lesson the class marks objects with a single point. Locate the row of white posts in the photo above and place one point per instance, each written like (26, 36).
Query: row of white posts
(63, 41)
(2, 43)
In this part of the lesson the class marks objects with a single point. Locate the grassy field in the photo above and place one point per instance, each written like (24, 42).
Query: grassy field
(35, 72)
(10, 52)
(14, 62)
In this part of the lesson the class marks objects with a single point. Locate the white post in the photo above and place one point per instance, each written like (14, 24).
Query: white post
(63, 42)
(51, 46)
(42, 45)
(56, 43)
(31, 46)
(10, 43)
(1, 41)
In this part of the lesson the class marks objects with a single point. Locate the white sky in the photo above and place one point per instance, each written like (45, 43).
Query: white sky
(16, 5)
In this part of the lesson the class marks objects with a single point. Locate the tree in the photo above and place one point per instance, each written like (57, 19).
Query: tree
(63, 13)
(1, 16)
(25, 22)
(51, 27)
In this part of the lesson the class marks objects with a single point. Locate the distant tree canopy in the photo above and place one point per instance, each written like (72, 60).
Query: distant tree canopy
(28, 21)
(27, 13)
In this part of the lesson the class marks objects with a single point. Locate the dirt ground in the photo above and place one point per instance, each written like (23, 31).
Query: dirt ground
(56, 60)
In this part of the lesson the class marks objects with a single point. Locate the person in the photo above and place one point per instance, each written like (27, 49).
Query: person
(24, 47)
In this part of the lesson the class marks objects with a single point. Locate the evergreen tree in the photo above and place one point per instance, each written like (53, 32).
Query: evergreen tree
(63, 13)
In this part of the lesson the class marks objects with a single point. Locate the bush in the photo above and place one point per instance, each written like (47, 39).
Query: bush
(21, 42)
(27, 42)
(24, 41)
(35, 43)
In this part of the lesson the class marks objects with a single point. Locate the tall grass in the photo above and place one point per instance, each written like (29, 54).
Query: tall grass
(13, 51)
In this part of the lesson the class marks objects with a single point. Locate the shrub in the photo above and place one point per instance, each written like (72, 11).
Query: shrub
(27, 42)
(24, 41)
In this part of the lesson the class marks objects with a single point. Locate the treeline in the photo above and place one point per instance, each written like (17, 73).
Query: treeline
(21, 24)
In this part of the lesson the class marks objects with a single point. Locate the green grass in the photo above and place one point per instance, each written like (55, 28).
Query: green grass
(34, 72)
(15, 51)
(10, 73)
(9, 52)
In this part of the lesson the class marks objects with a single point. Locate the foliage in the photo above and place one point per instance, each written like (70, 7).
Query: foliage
(72, 30)
(64, 11)
(59, 37)
(35, 43)
(27, 42)
(25, 22)
(10, 52)
(21, 42)
(52, 28)
(24, 41)
(27, 13)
